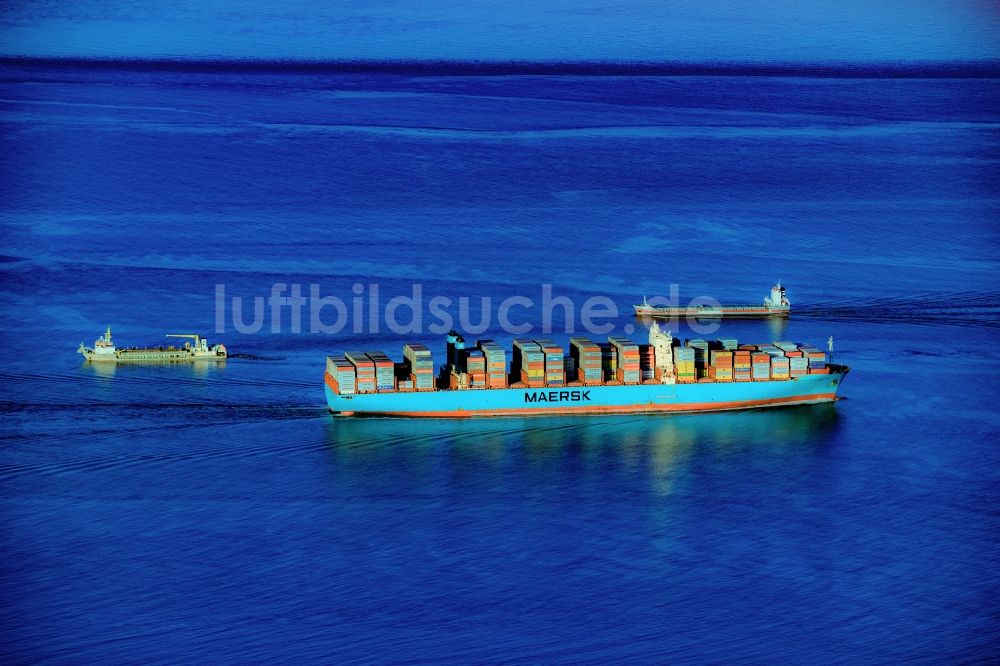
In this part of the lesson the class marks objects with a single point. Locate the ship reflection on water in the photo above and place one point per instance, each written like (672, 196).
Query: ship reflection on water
(776, 326)
(101, 370)
(375, 451)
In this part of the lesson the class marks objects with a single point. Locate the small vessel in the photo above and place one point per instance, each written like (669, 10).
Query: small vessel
(105, 351)
(775, 305)
(620, 377)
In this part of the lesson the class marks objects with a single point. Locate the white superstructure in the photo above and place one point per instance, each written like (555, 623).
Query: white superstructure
(662, 344)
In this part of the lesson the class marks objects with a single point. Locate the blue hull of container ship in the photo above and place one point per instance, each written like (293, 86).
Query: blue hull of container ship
(644, 398)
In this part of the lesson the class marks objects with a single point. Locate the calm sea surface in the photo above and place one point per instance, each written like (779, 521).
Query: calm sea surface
(220, 514)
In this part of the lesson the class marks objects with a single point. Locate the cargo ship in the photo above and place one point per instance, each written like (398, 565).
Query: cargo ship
(775, 305)
(616, 377)
(105, 351)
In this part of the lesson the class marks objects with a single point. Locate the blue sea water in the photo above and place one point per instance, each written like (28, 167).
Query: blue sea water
(220, 514)
(857, 31)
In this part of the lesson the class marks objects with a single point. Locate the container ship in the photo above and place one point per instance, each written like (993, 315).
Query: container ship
(105, 351)
(613, 377)
(775, 305)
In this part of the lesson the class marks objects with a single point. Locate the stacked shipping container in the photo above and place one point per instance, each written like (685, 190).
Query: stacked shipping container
(588, 356)
(647, 362)
(798, 364)
(761, 361)
(779, 363)
(816, 358)
(364, 370)
(421, 364)
(341, 373)
(475, 365)
(496, 364)
(609, 362)
(530, 361)
(742, 365)
(700, 357)
(627, 360)
(684, 365)
(385, 371)
(721, 368)
(555, 367)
